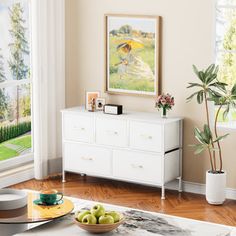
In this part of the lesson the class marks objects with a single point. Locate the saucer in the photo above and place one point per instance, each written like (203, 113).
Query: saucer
(40, 203)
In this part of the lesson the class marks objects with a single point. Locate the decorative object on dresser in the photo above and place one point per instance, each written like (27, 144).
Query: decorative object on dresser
(113, 109)
(132, 54)
(100, 102)
(164, 102)
(90, 100)
(210, 89)
(135, 147)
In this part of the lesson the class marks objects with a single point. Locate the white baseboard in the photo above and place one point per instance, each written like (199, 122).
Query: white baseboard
(198, 188)
(16, 175)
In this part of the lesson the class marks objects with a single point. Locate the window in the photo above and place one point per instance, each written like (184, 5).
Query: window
(15, 83)
(225, 47)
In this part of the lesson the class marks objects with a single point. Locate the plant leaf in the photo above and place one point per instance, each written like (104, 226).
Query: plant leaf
(220, 138)
(200, 149)
(191, 96)
(194, 85)
(198, 136)
(207, 132)
(226, 112)
(195, 70)
(210, 69)
(202, 77)
(233, 90)
(200, 97)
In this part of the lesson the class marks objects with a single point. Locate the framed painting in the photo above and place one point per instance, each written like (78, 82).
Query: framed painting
(132, 56)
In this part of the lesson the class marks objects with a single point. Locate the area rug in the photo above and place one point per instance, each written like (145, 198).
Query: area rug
(138, 223)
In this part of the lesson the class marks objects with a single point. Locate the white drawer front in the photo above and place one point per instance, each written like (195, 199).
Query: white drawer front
(87, 159)
(137, 166)
(146, 136)
(78, 128)
(111, 132)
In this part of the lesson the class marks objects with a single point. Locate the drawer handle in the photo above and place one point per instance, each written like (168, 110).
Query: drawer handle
(87, 158)
(112, 132)
(135, 166)
(79, 128)
(146, 136)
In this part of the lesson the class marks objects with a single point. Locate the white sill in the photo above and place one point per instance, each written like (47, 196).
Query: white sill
(16, 161)
(227, 125)
(16, 175)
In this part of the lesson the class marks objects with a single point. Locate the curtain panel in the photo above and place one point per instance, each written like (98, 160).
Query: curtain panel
(48, 66)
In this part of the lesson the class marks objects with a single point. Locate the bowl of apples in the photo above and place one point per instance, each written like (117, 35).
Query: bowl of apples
(98, 220)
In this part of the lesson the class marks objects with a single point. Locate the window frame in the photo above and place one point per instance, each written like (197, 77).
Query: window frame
(226, 125)
(28, 157)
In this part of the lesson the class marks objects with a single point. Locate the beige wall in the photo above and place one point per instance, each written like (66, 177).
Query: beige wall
(188, 37)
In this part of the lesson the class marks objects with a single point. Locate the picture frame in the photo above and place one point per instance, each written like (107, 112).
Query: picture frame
(133, 55)
(100, 102)
(89, 96)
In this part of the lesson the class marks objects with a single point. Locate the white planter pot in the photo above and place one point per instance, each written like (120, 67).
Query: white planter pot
(215, 188)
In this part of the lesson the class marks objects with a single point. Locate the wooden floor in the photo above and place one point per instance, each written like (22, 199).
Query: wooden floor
(186, 205)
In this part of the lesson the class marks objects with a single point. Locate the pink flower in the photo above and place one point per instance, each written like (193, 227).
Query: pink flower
(164, 100)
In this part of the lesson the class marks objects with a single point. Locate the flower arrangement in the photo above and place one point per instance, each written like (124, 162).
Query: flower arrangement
(164, 102)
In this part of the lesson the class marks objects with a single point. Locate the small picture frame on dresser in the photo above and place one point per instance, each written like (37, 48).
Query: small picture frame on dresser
(100, 102)
(90, 98)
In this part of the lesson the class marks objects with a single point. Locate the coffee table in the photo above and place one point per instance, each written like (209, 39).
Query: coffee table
(18, 220)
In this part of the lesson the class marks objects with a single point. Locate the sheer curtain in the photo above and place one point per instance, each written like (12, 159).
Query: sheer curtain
(48, 66)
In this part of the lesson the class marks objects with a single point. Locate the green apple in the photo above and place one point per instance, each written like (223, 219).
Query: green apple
(114, 214)
(106, 219)
(89, 219)
(98, 210)
(82, 214)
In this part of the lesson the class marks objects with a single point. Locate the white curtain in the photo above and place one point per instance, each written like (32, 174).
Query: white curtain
(48, 72)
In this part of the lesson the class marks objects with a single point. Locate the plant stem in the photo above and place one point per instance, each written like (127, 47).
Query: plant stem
(216, 134)
(209, 151)
(213, 163)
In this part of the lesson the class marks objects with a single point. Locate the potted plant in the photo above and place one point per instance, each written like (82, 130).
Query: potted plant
(210, 88)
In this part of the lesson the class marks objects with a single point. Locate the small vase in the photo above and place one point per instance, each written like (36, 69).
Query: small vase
(164, 112)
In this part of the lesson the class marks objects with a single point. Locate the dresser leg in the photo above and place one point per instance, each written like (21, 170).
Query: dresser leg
(163, 192)
(180, 184)
(63, 177)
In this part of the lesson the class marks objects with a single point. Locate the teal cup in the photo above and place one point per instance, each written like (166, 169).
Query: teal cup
(50, 197)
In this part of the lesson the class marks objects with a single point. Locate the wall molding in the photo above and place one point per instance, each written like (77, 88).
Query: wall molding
(198, 188)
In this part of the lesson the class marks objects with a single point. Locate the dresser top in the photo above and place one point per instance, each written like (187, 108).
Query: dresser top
(131, 115)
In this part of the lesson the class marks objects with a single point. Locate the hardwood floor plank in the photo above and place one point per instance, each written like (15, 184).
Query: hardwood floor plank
(187, 205)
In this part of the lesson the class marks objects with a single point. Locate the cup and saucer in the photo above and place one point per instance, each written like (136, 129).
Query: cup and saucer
(49, 197)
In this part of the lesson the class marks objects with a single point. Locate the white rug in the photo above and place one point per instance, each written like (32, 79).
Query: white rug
(138, 223)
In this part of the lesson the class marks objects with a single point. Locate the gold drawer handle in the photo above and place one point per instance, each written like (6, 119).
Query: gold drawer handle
(135, 166)
(87, 158)
(79, 128)
(146, 136)
(112, 132)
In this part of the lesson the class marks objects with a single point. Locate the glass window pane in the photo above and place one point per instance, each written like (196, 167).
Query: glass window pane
(15, 121)
(227, 68)
(230, 118)
(14, 43)
(226, 2)
(226, 29)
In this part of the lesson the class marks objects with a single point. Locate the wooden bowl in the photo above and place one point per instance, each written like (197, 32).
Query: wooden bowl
(100, 228)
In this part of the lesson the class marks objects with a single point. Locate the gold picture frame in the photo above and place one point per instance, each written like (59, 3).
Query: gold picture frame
(138, 73)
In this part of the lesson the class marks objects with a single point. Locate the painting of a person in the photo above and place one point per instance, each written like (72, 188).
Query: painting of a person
(132, 55)
(131, 65)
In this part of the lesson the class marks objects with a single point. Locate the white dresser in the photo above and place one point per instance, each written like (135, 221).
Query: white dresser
(135, 147)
